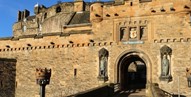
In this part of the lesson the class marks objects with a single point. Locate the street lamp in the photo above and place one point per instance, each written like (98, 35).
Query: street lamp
(43, 78)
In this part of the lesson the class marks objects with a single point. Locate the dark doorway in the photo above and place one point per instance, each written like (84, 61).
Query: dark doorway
(132, 73)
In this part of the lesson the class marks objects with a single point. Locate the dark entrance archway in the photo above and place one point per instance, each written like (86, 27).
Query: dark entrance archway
(132, 72)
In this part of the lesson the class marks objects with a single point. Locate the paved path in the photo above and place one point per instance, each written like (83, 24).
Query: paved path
(131, 93)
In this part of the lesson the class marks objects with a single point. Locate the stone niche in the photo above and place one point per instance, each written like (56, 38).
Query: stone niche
(166, 53)
(103, 65)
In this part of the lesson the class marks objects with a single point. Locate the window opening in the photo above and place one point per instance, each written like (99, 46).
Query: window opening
(58, 9)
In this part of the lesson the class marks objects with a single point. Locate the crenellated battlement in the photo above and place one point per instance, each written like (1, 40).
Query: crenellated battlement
(172, 40)
(52, 45)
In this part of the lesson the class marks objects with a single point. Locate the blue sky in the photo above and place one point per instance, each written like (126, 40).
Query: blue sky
(9, 9)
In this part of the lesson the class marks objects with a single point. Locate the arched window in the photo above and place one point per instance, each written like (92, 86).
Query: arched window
(58, 9)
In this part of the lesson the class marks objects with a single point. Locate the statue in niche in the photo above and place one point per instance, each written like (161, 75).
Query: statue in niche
(123, 32)
(166, 53)
(103, 60)
(103, 63)
(165, 66)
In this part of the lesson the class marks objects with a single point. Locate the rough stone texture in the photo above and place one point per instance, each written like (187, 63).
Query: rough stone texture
(77, 46)
(7, 78)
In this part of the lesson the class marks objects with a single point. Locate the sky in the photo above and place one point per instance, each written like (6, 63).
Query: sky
(10, 8)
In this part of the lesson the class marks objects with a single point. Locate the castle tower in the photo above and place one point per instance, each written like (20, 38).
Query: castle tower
(96, 12)
(79, 5)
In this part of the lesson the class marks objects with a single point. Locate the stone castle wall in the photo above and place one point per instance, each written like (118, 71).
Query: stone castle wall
(63, 61)
(163, 23)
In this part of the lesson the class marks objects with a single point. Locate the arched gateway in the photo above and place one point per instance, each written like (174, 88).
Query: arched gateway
(133, 70)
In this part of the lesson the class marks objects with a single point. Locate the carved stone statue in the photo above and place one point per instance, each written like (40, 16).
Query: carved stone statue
(166, 53)
(165, 66)
(103, 60)
(103, 65)
(123, 34)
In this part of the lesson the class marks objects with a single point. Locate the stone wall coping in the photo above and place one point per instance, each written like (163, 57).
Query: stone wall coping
(77, 25)
(167, 40)
(36, 36)
(6, 38)
(52, 46)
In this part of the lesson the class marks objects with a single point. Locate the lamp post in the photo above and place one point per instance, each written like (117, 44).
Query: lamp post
(42, 79)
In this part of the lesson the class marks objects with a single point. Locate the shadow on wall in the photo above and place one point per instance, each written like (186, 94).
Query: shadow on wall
(102, 91)
(7, 77)
(178, 96)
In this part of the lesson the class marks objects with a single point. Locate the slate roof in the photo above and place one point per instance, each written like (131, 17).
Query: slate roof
(80, 18)
(31, 17)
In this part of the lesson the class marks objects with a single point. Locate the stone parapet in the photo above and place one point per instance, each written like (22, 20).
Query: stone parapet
(54, 46)
(172, 40)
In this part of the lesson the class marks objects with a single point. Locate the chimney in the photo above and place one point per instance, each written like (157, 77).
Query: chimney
(26, 13)
(19, 16)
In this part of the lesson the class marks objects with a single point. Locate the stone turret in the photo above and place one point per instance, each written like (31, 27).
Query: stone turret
(79, 5)
(96, 12)
(38, 8)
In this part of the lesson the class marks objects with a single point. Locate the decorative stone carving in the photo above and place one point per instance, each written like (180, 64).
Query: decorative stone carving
(103, 61)
(166, 53)
(133, 33)
(166, 50)
(43, 76)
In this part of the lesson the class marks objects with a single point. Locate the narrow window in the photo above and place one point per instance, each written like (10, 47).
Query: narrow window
(75, 72)
(131, 4)
(45, 15)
